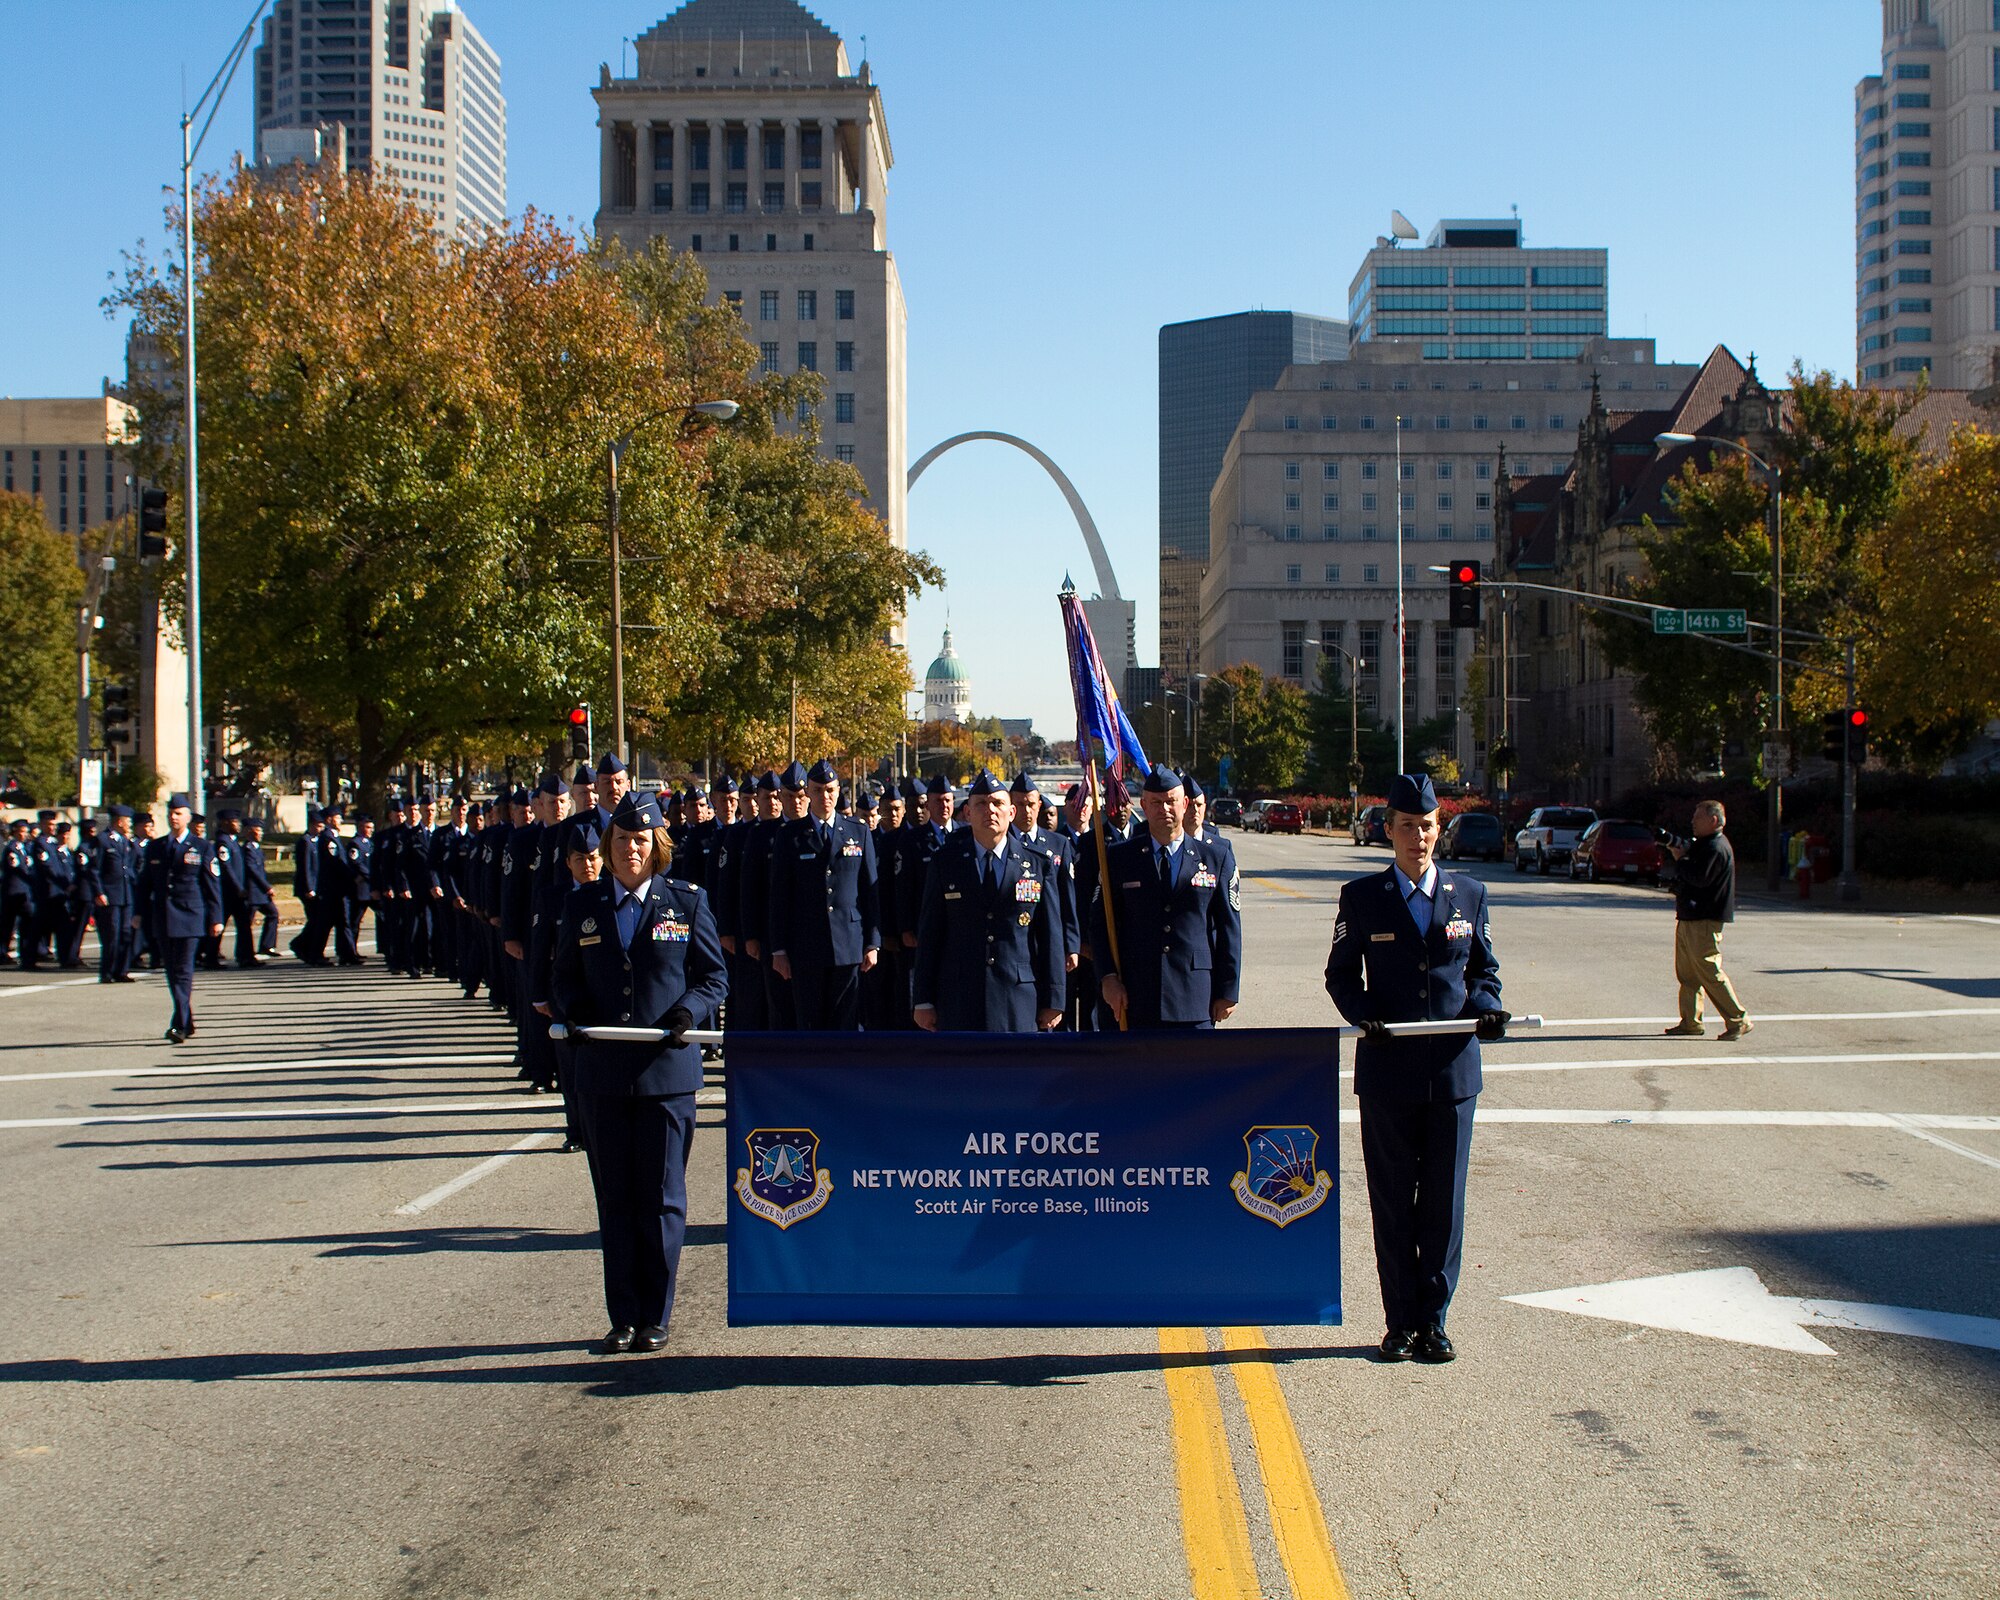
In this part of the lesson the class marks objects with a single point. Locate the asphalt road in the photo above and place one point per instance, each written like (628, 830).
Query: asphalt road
(248, 1350)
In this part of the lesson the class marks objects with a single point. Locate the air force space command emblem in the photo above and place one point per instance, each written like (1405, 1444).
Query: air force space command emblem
(1282, 1181)
(783, 1183)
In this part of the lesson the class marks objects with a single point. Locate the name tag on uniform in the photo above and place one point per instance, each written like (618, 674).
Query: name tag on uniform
(1028, 891)
(1203, 878)
(953, 894)
(808, 855)
(1133, 883)
(1381, 938)
(591, 938)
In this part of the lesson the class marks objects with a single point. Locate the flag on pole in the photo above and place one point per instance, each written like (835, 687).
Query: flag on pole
(1103, 732)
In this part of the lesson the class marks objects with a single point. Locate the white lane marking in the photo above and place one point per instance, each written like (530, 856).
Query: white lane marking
(323, 1063)
(467, 1178)
(1910, 1125)
(1963, 916)
(1906, 1122)
(1731, 1059)
(1732, 1303)
(1779, 1016)
(705, 1097)
(42, 988)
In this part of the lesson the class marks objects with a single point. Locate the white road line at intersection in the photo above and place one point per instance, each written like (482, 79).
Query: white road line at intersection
(320, 1064)
(1780, 1016)
(41, 988)
(534, 1104)
(466, 1179)
(1719, 1058)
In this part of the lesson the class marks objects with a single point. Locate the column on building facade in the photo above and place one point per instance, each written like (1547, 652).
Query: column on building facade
(792, 165)
(607, 161)
(864, 137)
(753, 165)
(643, 134)
(680, 138)
(718, 167)
(831, 185)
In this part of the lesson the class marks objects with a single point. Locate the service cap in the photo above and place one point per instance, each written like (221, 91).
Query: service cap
(864, 802)
(584, 839)
(175, 802)
(581, 775)
(823, 771)
(983, 782)
(1412, 791)
(638, 812)
(939, 784)
(1024, 783)
(549, 783)
(793, 778)
(1192, 785)
(723, 785)
(1162, 780)
(116, 811)
(608, 763)
(767, 783)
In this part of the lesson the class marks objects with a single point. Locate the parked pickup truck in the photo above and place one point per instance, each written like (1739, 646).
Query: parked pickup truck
(1549, 836)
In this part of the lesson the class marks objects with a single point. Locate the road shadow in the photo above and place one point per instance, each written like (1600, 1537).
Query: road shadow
(1963, 988)
(426, 1241)
(670, 1374)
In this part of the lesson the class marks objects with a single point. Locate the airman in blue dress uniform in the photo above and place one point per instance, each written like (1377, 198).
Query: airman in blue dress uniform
(55, 891)
(185, 883)
(990, 935)
(257, 887)
(111, 883)
(825, 919)
(1413, 944)
(638, 949)
(1178, 921)
(17, 895)
(1061, 851)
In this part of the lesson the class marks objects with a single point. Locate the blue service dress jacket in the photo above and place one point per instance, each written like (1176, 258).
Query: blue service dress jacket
(989, 958)
(256, 876)
(674, 961)
(823, 906)
(185, 881)
(1381, 969)
(113, 867)
(1060, 848)
(1180, 944)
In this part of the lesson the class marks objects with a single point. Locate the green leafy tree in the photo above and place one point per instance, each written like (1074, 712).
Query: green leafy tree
(40, 591)
(1930, 651)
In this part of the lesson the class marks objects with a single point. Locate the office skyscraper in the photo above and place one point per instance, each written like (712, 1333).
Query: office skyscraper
(412, 84)
(1209, 369)
(1927, 197)
(746, 136)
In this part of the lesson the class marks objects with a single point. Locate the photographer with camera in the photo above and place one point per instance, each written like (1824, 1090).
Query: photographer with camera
(1704, 881)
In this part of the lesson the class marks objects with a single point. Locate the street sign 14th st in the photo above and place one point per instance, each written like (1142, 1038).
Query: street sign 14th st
(1709, 621)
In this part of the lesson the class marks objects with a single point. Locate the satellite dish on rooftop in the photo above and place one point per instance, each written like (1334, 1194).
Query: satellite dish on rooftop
(1401, 226)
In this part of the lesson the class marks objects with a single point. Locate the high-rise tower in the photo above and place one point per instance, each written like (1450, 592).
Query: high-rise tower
(1927, 198)
(746, 135)
(412, 84)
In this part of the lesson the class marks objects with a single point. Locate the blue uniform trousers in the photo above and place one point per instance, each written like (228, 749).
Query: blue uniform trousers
(180, 979)
(745, 1011)
(1416, 1156)
(826, 999)
(638, 1150)
(114, 943)
(780, 999)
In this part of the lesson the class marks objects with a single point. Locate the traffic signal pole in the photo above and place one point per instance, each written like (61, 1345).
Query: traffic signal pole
(1850, 884)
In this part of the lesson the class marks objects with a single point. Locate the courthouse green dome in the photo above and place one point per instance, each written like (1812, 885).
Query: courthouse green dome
(947, 667)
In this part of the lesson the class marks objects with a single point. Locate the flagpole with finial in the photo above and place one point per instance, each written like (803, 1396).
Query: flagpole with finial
(1087, 751)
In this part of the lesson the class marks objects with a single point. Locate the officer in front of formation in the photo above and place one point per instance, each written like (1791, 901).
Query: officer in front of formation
(1413, 944)
(825, 927)
(17, 895)
(637, 948)
(184, 882)
(1167, 928)
(112, 883)
(990, 946)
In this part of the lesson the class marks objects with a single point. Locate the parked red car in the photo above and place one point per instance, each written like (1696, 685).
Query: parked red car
(1614, 849)
(1281, 816)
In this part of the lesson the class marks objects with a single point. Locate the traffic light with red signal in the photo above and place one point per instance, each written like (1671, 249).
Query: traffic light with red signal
(1844, 736)
(579, 733)
(1465, 594)
(1857, 737)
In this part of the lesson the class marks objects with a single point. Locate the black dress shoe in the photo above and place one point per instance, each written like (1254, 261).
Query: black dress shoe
(651, 1339)
(1434, 1347)
(616, 1342)
(569, 1148)
(173, 1036)
(1398, 1344)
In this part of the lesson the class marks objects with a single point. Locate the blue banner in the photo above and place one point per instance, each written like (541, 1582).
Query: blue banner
(1092, 1180)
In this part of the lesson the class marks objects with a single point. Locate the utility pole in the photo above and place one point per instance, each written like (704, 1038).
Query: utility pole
(613, 452)
(1850, 884)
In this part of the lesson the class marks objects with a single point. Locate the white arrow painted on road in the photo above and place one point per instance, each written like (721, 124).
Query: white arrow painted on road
(1732, 1303)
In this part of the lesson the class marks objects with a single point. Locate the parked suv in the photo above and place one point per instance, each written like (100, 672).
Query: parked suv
(1550, 836)
(1613, 849)
(1281, 816)
(1226, 812)
(1473, 833)
(1370, 825)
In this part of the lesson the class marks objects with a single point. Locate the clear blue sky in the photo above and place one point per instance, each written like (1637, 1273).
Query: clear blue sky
(1069, 177)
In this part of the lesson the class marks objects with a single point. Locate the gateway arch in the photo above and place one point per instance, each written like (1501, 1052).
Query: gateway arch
(1110, 613)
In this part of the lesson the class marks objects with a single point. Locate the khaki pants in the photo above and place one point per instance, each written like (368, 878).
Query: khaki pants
(1698, 966)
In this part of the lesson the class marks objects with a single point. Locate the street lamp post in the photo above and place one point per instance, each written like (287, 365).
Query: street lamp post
(1773, 514)
(191, 143)
(1402, 620)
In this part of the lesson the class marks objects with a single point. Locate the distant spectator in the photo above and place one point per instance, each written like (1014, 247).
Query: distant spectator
(1704, 880)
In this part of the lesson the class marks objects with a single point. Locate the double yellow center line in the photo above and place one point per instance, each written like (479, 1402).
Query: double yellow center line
(1214, 1527)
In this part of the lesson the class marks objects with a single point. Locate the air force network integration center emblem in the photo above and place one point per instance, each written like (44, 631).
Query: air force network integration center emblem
(1281, 1181)
(783, 1183)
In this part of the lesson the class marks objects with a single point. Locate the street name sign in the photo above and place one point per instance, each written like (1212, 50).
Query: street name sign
(1702, 621)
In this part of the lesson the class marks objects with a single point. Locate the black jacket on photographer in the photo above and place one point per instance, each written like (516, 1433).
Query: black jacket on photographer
(1704, 881)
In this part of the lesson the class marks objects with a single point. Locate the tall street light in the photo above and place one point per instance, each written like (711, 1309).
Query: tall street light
(1402, 620)
(1354, 666)
(714, 411)
(191, 143)
(1773, 512)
